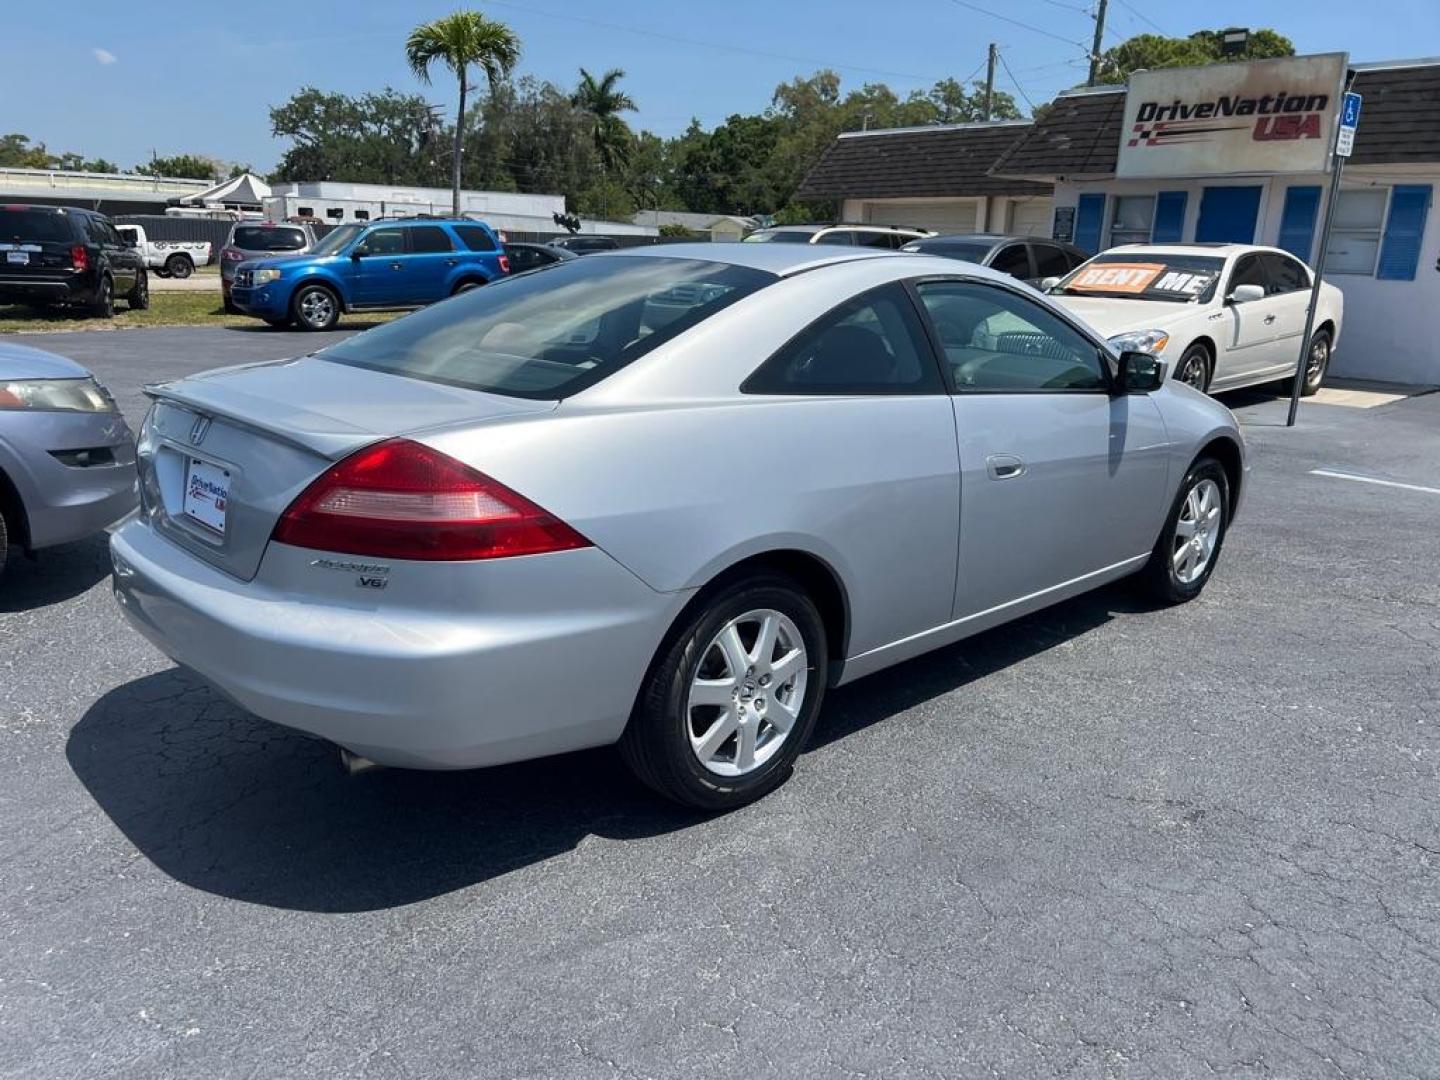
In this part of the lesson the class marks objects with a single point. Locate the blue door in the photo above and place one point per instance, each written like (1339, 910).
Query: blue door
(1228, 215)
(429, 263)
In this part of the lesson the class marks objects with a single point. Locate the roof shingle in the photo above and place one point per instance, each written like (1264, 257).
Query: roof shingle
(932, 162)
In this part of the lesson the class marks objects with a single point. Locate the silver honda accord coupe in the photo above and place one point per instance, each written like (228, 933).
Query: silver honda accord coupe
(663, 497)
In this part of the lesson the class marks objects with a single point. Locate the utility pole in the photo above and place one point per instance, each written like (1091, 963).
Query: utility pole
(989, 82)
(1098, 44)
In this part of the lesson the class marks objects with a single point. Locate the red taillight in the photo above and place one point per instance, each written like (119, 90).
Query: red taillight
(401, 500)
(233, 255)
(79, 258)
(504, 264)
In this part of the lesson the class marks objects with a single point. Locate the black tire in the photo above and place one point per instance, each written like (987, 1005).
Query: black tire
(104, 303)
(1318, 364)
(656, 743)
(321, 314)
(1159, 578)
(4, 544)
(138, 298)
(179, 266)
(230, 308)
(466, 286)
(1195, 368)
(161, 272)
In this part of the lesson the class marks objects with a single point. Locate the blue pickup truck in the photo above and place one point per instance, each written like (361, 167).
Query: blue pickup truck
(387, 264)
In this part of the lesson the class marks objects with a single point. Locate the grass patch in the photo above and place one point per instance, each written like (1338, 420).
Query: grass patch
(166, 309)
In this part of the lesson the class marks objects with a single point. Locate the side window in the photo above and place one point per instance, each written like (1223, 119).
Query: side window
(838, 236)
(875, 240)
(872, 344)
(1050, 261)
(1248, 271)
(429, 239)
(95, 230)
(1012, 260)
(996, 340)
(385, 242)
(521, 259)
(1286, 275)
(475, 238)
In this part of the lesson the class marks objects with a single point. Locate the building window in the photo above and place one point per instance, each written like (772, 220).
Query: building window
(1132, 219)
(1355, 229)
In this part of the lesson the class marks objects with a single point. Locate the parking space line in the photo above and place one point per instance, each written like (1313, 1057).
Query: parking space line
(1338, 475)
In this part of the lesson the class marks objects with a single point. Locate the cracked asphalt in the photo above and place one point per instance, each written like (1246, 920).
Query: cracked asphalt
(1105, 841)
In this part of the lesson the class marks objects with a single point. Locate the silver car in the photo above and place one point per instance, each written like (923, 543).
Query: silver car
(67, 459)
(259, 240)
(663, 498)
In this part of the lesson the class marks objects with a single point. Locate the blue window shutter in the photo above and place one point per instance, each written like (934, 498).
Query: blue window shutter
(1089, 222)
(1169, 226)
(1400, 247)
(1297, 221)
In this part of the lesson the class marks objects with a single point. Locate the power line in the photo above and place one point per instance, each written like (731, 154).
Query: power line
(724, 46)
(1015, 82)
(1016, 22)
(1069, 7)
(1142, 17)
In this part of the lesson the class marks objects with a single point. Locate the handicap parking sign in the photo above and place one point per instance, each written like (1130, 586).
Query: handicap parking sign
(1349, 121)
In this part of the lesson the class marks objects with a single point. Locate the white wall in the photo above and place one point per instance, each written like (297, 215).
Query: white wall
(1389, 331)
(942, 215)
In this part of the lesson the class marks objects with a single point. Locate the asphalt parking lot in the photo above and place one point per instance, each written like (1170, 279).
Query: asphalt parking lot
(1105, 841)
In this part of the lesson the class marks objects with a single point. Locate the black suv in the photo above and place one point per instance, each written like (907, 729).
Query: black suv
(66, 255)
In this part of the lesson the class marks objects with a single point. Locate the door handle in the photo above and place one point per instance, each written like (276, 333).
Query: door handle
(1004, 466)
(1269, 319)
(452, 262)
(397, 266)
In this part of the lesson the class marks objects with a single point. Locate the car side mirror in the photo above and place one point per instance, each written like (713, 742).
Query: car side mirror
(1049, 283)
(1246, 294)
(1139, 373)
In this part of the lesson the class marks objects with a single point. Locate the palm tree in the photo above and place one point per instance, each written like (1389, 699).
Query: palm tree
(605, 104)
(460, 41)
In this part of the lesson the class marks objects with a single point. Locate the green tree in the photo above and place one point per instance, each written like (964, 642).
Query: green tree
(1146, 51)
(379, 138)
(187, 166)
(461, 41)
(954, 106)
(18, 152)
(603, 104)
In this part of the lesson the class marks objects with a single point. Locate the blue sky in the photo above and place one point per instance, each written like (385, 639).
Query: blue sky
(117, 80)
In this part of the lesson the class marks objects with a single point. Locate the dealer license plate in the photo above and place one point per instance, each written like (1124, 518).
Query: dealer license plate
(207, 491)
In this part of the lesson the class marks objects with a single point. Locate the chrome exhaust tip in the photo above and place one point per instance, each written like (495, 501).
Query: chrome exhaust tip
(354, 764)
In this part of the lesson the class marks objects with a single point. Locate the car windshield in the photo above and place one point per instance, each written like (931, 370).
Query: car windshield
(1140, 275)
(967, 251)
(33, 226)
(551, 335)
(268, 238)
(336, 239)
(780, 236)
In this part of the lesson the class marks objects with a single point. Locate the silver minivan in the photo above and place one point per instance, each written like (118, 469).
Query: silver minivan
(260, 240)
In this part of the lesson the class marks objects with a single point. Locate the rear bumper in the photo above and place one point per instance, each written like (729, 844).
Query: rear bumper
(452, 666)
(63, 502)
(19, 290)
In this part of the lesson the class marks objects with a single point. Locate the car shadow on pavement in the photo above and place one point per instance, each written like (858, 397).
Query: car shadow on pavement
(54, 575)
(235, 806)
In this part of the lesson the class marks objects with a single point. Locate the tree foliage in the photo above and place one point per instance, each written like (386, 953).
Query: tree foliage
(603, 103)
(1147, 51)
(187, 166)
(18, 152)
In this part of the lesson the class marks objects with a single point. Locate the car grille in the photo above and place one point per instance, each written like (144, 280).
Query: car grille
(244, 278)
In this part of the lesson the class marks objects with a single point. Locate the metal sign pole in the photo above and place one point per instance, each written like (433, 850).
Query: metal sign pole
(1319, 270)
(1341, 148)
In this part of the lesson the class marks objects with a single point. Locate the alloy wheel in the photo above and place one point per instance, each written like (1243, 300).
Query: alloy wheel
(747, 692)
(1193, 373)
(1319, 358)
(1197, 532)
(316, 307)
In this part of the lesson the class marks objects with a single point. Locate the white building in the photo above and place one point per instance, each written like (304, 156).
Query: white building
(334, 202)
(722, 228)
(1152, 162)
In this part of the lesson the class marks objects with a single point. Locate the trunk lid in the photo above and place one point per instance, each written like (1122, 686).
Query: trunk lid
(35, 243)
(224, 453)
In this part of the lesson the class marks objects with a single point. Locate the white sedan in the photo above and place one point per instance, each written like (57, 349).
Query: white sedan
(1223, 316)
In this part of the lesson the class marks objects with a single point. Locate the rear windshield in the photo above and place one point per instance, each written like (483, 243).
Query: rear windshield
(551, 335)
(267, 238)
(1139, 275)
(34, 226)
(953, 249)
(780, 236)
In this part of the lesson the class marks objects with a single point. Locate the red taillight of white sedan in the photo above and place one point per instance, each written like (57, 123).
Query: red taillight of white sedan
(401, 500)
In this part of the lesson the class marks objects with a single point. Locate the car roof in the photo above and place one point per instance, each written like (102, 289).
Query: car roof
(784, 260)
(1202, 248)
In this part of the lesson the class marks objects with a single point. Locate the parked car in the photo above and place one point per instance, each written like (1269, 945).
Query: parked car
(1223, 315)
(67, 459)
(168, 258)
(533, 256)
(259, 240)
(69, 256)
(888, 237)
(1029, 258)
(387, 264)
(552, 514)
(585, 245)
